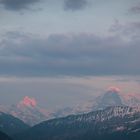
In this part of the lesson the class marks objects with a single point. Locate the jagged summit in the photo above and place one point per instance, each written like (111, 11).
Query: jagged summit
(113, 97)
(28, 102)
(27, 110)
(110, 98)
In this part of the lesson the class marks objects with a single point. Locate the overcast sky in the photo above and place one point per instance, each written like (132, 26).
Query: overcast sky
(49, 48)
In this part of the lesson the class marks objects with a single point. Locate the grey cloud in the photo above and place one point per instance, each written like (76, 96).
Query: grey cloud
(135, 9)
(75, 4)
(131, 29)
(68, 55)
(17, 4)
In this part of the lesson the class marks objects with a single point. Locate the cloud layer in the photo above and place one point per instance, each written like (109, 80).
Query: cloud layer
(71, 55)
(135, 9)
(17, 5)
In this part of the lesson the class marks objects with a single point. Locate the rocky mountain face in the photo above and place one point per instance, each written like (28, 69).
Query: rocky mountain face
(111, 123)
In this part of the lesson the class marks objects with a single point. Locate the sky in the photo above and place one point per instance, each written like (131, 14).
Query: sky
(64, 52)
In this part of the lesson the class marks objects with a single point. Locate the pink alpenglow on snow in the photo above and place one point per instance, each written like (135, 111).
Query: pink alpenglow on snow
(130, 96)
(27, 101)
(113, 89)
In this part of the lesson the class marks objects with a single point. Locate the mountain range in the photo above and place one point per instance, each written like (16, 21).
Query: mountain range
(111, 123)
(11, 125)
(111, 116)
(30, 113)
(112, 97)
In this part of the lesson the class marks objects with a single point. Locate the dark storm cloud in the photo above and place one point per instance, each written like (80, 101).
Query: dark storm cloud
(75, 4)
(71, 55)
(17, 4)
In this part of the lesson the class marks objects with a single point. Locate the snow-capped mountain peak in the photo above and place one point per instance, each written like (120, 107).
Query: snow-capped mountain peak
(113, 90)
(27, 110)
(27, 102)
(114, 97)
(110, 98)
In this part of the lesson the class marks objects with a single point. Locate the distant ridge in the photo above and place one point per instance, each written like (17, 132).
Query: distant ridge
(11, 125)
(4, 136)
(112, 123)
